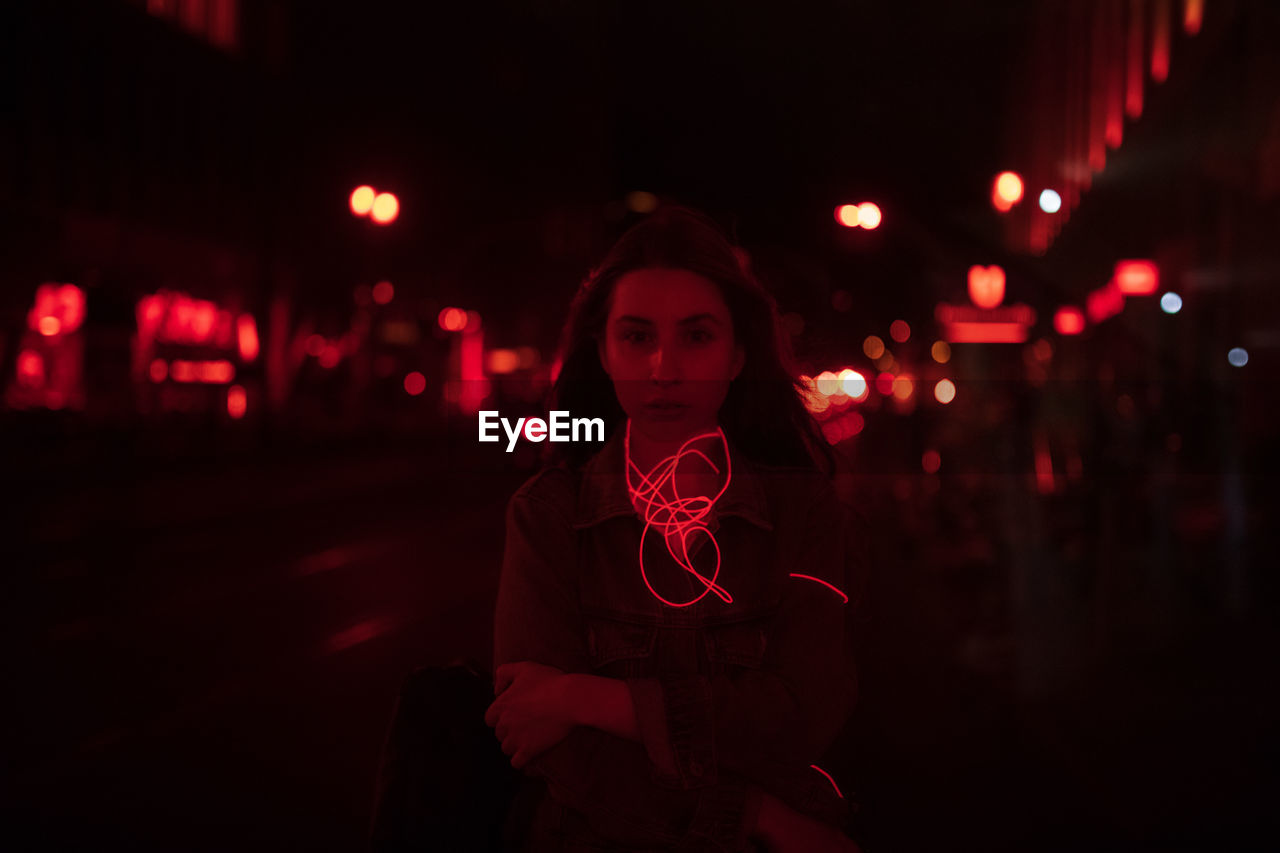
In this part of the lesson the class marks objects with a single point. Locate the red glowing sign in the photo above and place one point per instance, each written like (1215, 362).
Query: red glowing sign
(175, 318)
(986, 286)
(965, 324)
(219, 372)
(1137, 278)
(58, 309)
(1022, 314)
(986, 333)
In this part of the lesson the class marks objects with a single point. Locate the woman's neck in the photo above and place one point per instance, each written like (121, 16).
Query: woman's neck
(693, 476)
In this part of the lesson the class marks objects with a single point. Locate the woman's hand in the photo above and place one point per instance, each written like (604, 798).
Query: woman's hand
(785, 830)
(532, 711)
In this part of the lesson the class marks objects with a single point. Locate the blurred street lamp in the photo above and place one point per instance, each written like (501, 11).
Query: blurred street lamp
(1007, 191)
(386, 207)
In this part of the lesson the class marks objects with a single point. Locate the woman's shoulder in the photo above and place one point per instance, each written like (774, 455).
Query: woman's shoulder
(553, 485)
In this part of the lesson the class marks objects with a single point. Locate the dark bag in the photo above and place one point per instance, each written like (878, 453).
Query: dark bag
(443, 781)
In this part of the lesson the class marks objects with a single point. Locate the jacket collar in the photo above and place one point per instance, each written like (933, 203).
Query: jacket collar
(603, 493)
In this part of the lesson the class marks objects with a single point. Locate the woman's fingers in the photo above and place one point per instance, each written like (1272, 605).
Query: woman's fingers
(508, 673)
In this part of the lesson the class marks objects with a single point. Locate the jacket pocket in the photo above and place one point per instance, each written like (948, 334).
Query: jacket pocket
(609, 641)
(738, 643)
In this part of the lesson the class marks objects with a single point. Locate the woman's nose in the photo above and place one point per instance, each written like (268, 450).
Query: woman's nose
(662, 367)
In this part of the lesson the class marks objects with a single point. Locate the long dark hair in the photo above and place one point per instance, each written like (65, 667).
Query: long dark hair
(763, 413)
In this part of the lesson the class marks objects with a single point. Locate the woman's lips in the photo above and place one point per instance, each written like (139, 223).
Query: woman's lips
(665, 410)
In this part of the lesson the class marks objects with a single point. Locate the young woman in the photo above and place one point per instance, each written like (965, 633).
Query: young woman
(672, 634)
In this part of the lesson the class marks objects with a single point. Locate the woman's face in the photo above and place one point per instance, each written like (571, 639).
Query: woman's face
(669, 348)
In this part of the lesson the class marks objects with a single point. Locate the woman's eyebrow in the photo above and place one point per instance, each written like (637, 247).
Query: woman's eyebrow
(687, 321)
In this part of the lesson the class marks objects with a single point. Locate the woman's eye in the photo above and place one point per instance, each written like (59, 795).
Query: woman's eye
(636, 337)
(700, 336)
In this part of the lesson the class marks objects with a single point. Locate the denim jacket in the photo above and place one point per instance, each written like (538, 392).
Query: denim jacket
(732, 699)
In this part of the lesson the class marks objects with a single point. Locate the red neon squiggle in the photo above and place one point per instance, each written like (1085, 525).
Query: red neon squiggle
(829, 779)
(824, 583)
(681, 516)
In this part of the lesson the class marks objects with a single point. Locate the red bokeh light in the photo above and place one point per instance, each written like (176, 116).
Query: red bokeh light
(1137, 278)
(237, 402)
(415, 383)
(362, 200)
(453, 319)
(383, 292)
(386, 207)
(986, 285)
(1068, 320)
(847, 215)
(30, 369)
(1006, 191)
(247, 337)
(869, 215)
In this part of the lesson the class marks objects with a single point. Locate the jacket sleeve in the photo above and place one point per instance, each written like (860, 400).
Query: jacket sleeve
(759, 721)
(608, 779)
